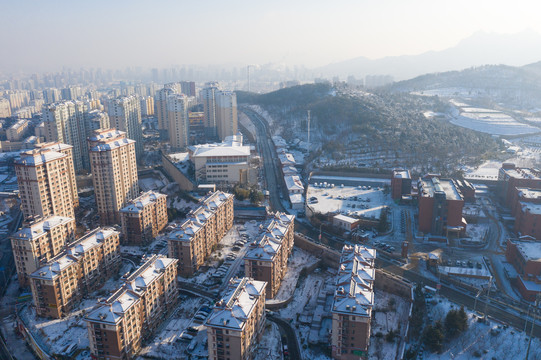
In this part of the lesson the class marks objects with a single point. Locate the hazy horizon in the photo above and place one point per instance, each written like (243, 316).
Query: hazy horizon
(47, 36)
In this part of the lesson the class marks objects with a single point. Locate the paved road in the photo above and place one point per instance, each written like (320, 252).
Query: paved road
(290, 337)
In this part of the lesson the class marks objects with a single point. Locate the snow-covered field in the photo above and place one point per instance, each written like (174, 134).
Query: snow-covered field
(270, 346)
(493, 123)
(299, 260)
(482, 340)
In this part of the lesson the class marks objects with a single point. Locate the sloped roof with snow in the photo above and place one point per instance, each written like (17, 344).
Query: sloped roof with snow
(236, 307)
(41, 227)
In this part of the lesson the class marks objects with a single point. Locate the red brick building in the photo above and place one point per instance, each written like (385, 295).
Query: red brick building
(511, 177)
(525, 256)
(400, 183)
(440, 207)
(528, 219)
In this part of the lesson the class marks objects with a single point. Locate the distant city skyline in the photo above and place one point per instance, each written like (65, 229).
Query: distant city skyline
(46, 36)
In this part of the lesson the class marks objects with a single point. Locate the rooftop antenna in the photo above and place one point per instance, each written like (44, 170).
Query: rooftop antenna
(308, 130)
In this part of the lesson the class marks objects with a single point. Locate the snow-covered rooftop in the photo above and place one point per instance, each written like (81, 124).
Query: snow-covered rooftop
(529, 193)
(40, 227)
(530, 250)
(269, 242)
(236, 307)
(530, 207)
(429, 186)
(147, 273)
(38, 157)
(113, 309)
(346, 219)
(522, 173)
(287, 159)
(294, 183)
(138, 204)
(354, 283)
(231, 146)
(402, 174)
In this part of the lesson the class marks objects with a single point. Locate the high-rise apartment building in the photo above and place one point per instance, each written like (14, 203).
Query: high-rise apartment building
(187, 88)
(38, 242)
(220, 108)
(125, 115)
(65, 122)
(160, 104)
(51, 95)
(95, 120)
(237, 321)
(266, 258)
(85, 265)
(177, 113)
(118, 325)
(352, 304)
(5, 108)
(226, 114)
(144, 217)
(114, 172)
(45, 183)
(192, 242)
(208, 97)
(67, 150)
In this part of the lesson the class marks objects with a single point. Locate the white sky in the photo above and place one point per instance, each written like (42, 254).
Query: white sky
(45, 35)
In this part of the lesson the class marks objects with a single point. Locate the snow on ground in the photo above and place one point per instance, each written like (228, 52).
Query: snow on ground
(350, 200)
(180, 204)
(167, 343)
(494, 123)
(270, 346)
(484, 341)
(305, 296)
(391, 313)
(150, 183)
(299, 260)
(476, 232)
(247, 123)
(59, 334)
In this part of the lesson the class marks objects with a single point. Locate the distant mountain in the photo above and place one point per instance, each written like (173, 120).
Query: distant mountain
(479, 49)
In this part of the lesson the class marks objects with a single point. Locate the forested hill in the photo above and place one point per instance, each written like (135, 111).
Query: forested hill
(390, 125)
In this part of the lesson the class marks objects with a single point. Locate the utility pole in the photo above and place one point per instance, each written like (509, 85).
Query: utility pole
(308, 130)
(488, 296)
(537, 298)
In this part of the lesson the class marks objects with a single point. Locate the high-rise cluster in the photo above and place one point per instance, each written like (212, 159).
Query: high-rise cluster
(220, 107)
(125, 115)
(193, 241)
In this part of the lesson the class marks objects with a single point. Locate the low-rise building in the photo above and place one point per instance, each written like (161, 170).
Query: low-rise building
(226, 162)
(294, 184)
(17, 131)
(345, 222)
(267, 256)
(353, 303)
(82, 268)
(193, 241)
(38, 242)
(117, 326)
(144, 217)
(236, 323)
(525, 256)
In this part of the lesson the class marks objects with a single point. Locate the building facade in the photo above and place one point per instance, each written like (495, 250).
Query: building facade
(194, 240)
(237, 321)
(266, 258)
(125, 115)
(45, 179)
(440, 207)
(226, 162)
(525, 256)
(38, 242)
(178, 122)
(144, 217)
(400, 183)
(82, 268)
(114, 172)
(118, 325)
(510, 177)
(226, 114)
(353, 303)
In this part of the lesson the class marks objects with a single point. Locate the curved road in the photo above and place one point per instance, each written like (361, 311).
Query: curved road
(290, 336)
